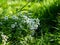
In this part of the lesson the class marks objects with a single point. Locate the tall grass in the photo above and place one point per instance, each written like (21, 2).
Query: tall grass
(12, 13)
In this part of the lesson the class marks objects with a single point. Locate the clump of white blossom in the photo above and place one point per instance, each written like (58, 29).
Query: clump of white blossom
(32, 23)
(20, 22)
(4, 39)
(13, 25)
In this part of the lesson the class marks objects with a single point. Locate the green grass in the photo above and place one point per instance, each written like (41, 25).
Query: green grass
(47, 11)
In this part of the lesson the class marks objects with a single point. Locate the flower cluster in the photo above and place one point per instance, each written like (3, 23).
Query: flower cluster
(4, 38)
(22, 25)
(31, 23)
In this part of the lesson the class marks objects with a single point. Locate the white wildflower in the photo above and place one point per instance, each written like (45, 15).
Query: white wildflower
(32, 23)
(37, 21)
(32, 27)
(6, 17)
(4, 38)
(12, 25)
(14, 17)
(28, 20)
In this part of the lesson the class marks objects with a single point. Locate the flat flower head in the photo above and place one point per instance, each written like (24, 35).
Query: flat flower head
(6, 18)
(32, 23)
(12, 25)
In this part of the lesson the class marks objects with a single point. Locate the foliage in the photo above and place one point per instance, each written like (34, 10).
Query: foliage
(29, 22)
